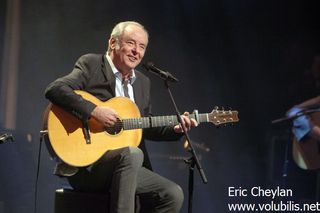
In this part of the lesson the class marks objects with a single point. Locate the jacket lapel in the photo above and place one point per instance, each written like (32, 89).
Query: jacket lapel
(137, 91)
(107, 71)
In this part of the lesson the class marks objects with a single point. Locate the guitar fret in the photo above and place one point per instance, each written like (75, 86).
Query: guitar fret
(133, 122)
(146, 122)
(156, 122)
(143, 122)
(124, 123)
(130, 123)
(136, 123)
(174, 120)
(127, 123)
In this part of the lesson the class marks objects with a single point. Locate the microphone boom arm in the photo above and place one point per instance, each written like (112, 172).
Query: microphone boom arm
(162, 74)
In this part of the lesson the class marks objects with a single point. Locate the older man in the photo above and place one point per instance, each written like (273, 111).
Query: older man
(123, 172)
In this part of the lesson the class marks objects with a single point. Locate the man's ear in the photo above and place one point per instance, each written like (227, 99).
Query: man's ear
(113, 43)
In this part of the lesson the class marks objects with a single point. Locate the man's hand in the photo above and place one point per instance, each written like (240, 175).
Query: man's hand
(105, 115)
(188, 123)
(301, 125)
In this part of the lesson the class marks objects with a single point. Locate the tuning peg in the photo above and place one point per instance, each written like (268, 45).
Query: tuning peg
(216, 108)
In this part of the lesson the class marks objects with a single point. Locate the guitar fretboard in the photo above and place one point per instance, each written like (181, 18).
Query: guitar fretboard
(158, 121)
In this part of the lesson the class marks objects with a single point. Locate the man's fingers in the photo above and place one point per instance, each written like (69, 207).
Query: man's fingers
(194, 123)
(186, 122)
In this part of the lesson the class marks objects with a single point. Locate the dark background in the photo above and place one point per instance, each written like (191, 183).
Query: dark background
(246, 55)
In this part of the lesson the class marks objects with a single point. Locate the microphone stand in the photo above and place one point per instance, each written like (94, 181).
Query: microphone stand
(193, 160)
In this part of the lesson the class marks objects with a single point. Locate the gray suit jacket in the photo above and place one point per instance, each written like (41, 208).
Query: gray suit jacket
(92, 73)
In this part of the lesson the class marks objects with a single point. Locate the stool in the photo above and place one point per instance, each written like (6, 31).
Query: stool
(70, 201)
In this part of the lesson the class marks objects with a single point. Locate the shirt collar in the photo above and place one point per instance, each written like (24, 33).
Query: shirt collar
(118, 74)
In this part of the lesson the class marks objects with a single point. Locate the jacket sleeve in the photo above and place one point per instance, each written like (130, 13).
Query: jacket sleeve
(161, 134)
(61, 91)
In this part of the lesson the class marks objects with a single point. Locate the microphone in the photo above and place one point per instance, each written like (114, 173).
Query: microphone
(162, 74)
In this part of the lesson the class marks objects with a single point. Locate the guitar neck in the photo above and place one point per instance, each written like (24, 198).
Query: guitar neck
(158, 121)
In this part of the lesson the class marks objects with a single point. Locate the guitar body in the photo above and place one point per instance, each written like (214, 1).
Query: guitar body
(306, 153)
(67, 139)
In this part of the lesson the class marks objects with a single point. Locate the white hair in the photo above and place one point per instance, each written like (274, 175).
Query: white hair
(118, 30)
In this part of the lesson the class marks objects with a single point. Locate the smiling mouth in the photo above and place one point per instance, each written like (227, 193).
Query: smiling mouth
(132, 58)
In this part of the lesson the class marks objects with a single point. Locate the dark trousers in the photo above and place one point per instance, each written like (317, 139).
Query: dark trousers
(120, 172)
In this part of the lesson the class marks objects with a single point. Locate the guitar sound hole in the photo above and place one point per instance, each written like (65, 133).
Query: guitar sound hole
(116, 128)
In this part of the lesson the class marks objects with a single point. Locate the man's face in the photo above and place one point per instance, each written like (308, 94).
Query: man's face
(129, 49)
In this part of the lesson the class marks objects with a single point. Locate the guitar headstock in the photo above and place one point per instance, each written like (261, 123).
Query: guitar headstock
(218, 117)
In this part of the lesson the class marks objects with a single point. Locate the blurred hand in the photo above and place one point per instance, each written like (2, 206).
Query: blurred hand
(105, 115)
(301, 125)
(189, 123)
(293, 111)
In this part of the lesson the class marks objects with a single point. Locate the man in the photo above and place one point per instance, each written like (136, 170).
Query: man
(124, 172)
(303, 126)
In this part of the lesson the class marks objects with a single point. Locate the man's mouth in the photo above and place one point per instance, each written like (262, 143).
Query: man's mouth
(132, 58)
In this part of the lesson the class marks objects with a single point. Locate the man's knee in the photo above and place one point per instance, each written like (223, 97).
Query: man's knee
(133, 156)
(175, 197)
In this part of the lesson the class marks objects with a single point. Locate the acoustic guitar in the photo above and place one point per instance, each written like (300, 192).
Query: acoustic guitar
(306, 153)
(68, 139)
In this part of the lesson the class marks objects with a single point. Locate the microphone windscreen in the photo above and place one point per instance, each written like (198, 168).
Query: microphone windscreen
(148, 65)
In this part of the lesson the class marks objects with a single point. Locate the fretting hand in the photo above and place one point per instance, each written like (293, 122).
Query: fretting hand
(189, 123)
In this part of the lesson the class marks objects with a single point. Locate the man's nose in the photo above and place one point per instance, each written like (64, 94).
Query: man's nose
(135, 49)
